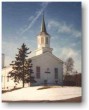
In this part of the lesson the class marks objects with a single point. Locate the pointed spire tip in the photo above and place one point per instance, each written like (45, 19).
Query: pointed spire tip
(43, 27)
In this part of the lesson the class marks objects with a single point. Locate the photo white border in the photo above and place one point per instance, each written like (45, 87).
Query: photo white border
(85, 75)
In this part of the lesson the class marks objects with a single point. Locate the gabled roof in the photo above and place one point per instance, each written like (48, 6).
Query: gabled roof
(35, 57)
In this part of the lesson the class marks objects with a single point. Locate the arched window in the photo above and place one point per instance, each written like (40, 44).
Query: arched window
(42, 40)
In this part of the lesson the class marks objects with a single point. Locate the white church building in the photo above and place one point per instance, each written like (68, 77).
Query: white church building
(47, 68)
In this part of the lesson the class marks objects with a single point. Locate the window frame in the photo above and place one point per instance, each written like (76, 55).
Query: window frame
(38, 72)
(56, 73)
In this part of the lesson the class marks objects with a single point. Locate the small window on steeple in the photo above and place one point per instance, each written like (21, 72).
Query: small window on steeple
(42, 40)
(46, 40)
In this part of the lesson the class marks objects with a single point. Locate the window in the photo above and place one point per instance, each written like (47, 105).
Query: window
(56, 73)
(46, 40)
(42, 40)
(38, 72)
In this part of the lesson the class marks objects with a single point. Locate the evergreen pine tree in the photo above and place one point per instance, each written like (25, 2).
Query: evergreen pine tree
(28, 72)
(22, 68)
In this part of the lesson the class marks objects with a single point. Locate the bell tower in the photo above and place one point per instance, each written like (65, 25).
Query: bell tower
(43, 40)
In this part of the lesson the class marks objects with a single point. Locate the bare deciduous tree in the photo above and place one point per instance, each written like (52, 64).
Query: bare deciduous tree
(69, 65)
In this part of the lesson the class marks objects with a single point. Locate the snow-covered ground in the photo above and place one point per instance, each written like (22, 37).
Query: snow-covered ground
(33, 94)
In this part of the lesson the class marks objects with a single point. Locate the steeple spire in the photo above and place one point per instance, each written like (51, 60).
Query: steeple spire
(43, 27)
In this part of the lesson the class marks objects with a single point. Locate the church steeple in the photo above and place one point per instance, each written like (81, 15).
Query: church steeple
(43, 40)
(43, 27)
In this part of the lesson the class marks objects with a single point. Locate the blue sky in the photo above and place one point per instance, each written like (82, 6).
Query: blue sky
(21, 23)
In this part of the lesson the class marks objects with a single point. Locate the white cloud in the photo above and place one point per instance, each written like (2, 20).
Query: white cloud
(73, 44)
(64, 53)
(38, 13)
(63, 28)
(30, 18)
(76, 55)
(10, 48)
(68, 52)
(76, 33)
(53, 24)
